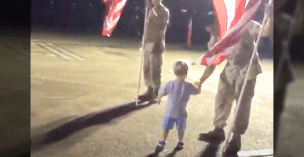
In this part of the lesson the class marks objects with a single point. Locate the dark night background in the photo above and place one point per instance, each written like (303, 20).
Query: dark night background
(88, 15)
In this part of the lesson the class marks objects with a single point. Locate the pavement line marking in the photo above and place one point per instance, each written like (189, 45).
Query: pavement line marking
(53, 51)
(214, 90)
(66, 52)
(53, 98)
(34, 42)
(36, 54)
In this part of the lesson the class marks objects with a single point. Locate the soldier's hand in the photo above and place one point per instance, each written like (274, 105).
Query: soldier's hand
(197, 84)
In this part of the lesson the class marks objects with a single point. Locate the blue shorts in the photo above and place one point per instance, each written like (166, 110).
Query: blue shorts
(168, 123)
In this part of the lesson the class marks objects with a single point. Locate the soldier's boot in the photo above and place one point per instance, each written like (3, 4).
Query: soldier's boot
(234, 145)
(216, 135)
(146, 95)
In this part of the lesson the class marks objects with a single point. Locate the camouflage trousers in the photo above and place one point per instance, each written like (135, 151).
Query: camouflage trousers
(226, 94)
(152, 69)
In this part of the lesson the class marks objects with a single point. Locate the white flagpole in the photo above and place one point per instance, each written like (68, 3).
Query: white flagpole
(245, 81)
(142, 50)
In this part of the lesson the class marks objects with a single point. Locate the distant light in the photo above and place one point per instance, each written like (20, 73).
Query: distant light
(51, 2)
(184, 10)
(210, 13)
(90, 4)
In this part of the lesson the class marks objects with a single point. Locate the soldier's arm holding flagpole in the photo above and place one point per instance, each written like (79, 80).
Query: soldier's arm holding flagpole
(213, 29)
(267, 30)
(157, 17)
(214, 38)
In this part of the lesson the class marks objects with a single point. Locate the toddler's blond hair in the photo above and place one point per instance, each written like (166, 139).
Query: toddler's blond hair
(180, 68)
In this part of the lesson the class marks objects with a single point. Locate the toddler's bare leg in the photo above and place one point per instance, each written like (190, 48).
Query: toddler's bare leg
(165, 134)
(180, 135)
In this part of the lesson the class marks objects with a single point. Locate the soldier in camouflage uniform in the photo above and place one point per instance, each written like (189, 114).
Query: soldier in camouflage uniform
(153, 47)
(231, 81)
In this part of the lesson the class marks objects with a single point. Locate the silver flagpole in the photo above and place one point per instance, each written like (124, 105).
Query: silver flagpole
(143, 48)
(245, 81)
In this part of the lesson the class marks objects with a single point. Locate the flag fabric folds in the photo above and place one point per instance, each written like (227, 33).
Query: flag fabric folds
(113, 12)
(233, 17)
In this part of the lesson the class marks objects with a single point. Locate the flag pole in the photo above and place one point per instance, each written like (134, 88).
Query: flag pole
(189, 35)
(142, 49)
(245, 81)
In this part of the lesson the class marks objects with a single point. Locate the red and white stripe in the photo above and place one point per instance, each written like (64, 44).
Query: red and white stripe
(228, 13)
(232, 20)
(114, 11)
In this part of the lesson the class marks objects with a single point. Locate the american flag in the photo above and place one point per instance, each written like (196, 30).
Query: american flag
(233, 17)
(113, 12)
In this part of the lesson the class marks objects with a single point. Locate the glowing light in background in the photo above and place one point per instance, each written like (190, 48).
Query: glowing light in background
(184, 10)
